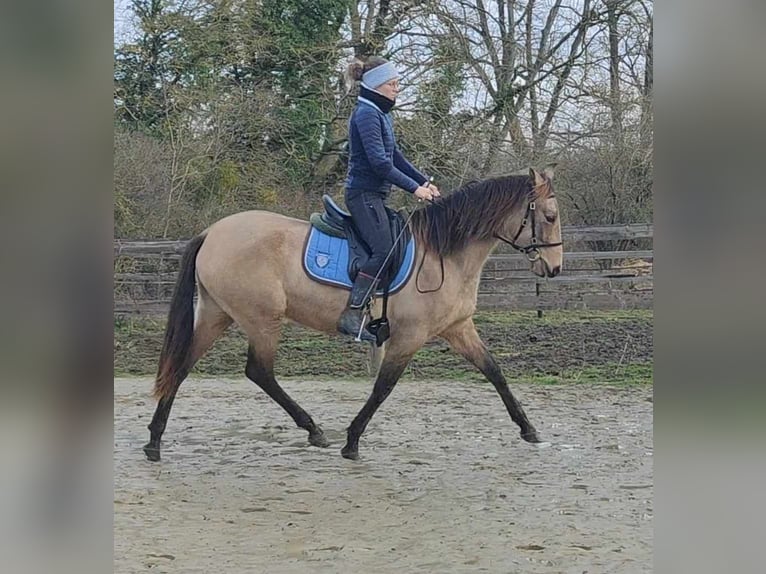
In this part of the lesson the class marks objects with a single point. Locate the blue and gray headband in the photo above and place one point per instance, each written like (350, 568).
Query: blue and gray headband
(379, 75)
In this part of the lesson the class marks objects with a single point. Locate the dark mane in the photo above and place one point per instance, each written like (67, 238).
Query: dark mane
(476, 211)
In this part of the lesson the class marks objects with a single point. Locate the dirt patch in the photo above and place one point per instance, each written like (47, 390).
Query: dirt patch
(445, 484)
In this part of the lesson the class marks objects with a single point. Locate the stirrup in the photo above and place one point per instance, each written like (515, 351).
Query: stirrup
(381, 329)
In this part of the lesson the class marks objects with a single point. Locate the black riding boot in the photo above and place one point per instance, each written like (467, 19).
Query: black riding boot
(350, 320)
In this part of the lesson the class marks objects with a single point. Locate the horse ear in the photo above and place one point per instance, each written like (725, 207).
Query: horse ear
(548, 170)
(535, 176)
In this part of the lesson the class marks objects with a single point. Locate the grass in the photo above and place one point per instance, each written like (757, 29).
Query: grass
(562, 317)
(562, 347)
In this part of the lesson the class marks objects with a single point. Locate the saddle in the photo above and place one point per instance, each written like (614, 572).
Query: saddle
(338, 223)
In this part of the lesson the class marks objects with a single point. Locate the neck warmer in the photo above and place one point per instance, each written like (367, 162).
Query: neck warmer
(376, 98)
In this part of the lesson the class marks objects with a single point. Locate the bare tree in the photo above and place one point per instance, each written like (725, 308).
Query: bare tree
(523, 55)
(489, 87)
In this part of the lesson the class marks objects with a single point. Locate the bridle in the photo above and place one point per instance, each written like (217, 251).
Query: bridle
(532, 251)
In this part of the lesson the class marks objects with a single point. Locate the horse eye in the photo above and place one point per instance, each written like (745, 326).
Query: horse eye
(550, 218)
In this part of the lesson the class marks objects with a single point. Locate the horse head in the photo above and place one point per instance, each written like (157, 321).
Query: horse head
(536, 231)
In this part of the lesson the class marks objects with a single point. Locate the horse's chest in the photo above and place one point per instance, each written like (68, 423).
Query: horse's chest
(462, 301)
(459, 309)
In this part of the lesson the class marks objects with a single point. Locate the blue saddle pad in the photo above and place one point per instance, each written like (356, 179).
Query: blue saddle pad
(325, 259)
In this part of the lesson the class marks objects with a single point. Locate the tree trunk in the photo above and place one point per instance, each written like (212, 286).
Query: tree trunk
(615, 99)
(648, 88)
(494, 143)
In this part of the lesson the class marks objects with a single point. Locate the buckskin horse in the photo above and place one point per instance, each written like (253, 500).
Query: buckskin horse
(247, 269)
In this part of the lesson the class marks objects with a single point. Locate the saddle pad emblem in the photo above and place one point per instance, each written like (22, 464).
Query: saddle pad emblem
(322, 259)
(325, 259)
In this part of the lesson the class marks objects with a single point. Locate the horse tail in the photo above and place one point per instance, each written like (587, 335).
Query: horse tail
(179, 332)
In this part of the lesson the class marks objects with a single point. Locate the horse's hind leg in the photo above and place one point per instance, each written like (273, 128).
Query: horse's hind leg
(464, 339)
(260, 370)
(210, 322)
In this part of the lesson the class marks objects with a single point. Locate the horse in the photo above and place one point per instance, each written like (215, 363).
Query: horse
(247, 269)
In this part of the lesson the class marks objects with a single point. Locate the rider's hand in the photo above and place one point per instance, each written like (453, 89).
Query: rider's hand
(424, 193)
(434, 189)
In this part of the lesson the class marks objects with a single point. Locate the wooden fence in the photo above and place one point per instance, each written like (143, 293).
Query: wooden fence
(605, 267)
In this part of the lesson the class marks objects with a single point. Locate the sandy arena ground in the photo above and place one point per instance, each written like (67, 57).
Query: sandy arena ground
(444, 484)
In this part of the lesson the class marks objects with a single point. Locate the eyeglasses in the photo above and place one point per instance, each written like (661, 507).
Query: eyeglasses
(392, 83)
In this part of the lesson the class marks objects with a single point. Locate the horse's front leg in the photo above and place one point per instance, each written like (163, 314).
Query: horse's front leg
(464, 339)
(391, 369)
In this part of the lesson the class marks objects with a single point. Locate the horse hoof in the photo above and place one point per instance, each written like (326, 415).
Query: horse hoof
(318, 439)
(531, 436)
(152, 452)
(351, 454)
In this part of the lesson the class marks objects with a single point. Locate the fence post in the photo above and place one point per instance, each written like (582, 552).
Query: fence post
(537, 295)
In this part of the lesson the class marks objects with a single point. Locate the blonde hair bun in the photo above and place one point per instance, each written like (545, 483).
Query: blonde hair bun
(354, 71)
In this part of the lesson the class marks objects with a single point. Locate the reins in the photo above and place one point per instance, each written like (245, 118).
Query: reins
(531, 250)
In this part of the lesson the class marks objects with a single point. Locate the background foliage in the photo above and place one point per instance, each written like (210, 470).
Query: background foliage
(226, 105)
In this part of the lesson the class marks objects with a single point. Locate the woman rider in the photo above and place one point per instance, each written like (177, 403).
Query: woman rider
(375, 163)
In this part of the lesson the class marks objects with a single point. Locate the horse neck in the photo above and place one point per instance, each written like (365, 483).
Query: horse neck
(472, 257)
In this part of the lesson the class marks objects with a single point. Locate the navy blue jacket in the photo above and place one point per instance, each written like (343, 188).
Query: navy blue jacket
(375, 161)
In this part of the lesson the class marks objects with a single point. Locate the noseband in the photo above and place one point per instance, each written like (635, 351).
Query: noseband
(532, 251)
